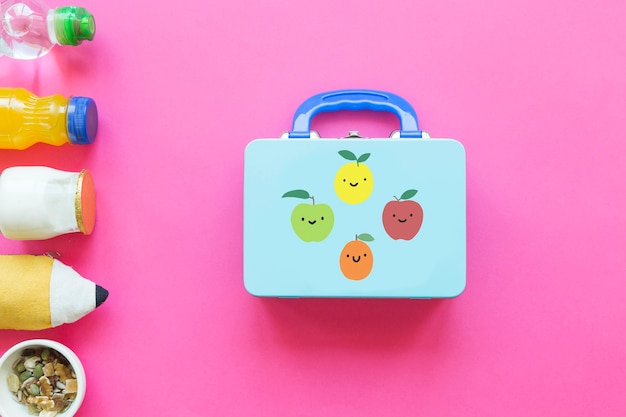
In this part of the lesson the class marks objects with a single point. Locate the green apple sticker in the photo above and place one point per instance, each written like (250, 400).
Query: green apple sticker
(311, 222)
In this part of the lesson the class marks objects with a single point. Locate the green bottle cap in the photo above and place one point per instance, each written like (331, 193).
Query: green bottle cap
(73, 25)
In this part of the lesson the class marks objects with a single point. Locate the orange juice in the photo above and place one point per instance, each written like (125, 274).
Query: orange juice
(26, 119)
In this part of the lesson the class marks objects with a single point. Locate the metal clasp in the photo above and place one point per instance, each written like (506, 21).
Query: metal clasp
(353, 134)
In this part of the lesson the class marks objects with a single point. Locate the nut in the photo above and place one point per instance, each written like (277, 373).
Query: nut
(48, 369)
(43, 381)
(62, 371)
(46, 386)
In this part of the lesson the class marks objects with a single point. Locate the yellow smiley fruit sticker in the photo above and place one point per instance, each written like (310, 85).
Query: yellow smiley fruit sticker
(354, 181)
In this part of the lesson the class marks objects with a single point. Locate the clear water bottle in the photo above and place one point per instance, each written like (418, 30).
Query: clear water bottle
(30, 28)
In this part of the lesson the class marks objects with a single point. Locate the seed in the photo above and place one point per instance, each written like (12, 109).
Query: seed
(25, 375)
(38, 371)
(27, 383)
(43, 381)
(18, 366)
(31, 362)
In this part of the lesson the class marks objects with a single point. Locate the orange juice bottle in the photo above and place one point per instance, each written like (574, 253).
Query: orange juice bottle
(26, 119)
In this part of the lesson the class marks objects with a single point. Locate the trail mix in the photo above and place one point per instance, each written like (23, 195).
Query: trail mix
(44, 381)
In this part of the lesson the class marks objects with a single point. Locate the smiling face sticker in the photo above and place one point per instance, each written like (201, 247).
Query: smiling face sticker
(356, 259)
(311, 222)
(402, 217)
(354, 181)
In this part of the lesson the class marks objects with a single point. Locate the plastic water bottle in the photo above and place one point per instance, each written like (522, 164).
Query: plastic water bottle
(30, 28)
(26, 119)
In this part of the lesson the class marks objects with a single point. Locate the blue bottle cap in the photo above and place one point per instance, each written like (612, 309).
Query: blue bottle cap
(82, 120)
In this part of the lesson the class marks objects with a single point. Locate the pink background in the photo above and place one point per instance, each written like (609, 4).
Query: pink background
(535, 91)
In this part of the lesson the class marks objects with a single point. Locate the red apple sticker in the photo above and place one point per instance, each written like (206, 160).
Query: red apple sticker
(402, 218)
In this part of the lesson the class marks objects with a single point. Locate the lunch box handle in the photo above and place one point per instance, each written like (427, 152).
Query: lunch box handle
(332, 101)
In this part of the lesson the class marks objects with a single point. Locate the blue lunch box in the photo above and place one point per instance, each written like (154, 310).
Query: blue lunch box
(355, 217)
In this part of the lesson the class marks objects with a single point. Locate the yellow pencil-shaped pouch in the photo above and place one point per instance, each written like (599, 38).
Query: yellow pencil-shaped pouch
(39, 292)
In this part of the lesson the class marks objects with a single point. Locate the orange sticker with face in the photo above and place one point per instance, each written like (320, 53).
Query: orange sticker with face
(356, 260)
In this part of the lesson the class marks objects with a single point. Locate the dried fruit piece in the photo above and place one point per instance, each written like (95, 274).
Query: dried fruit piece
(43, 381)
(71, 386)
(13, 382)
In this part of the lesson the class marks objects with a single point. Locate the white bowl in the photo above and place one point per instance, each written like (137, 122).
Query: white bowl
(9, 407)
